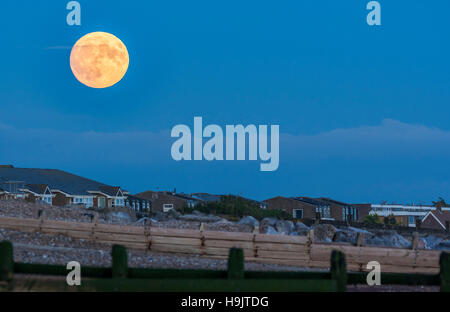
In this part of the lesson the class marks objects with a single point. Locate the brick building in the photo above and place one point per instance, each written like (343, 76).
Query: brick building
(299, 208)
(164, 201)
(438, 220)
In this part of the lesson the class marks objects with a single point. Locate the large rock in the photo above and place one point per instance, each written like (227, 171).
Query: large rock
(118, 216)
(268, 229)
(269, 221)
(387, 238)
(200, 218)
(429, 242)
(145, 221)
(443, 245)
(173, 214)
(324, 232)
(353, 229)
(301, 228)
(434, 242)
(349, 235)
(159, 216)
(223, 221)
(345, 236)
(284, 227)
(266, 223)
(249, 220)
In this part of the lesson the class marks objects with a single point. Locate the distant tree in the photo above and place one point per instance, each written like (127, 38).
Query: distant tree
(235, 207)
(440, 203)
(372, 219)
(390, 220)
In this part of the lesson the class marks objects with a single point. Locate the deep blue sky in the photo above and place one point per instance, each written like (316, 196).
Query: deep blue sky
(363, 111)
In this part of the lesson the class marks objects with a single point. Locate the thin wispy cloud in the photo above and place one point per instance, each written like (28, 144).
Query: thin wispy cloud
(391, 138)
(389, 161)
(388, 139)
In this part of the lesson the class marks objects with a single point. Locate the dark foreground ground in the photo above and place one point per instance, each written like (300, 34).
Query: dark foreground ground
(60, 249)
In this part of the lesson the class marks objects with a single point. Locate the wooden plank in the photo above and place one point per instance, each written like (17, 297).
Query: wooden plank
(321, 252)
(125, 244)
(176, 249)
(363, 255)
(282, 255)
(120, 229)
(387, 256)
(76, 226)
(234, 236)
(266, 238)
(168, 240)
(276, 249)
(428, 258)
(155, 231)
(20, 228)
(70, 233)
(225, 251)
(120, 237)
(17, 223)
(281, 247)
(228, 244)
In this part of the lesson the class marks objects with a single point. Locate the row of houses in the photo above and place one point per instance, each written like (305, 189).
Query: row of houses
(60, 188)
(311, 208)
(433, 217)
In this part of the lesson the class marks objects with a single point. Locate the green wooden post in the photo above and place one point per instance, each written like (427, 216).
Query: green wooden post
(6, 261)
(444, 262)
(339, 270)
(236, 263)
(119, 262)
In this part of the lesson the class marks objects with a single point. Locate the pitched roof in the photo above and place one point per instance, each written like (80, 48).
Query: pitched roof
(332, 201)
(312, 201)
(188, 197)
(279, 197)
(36, 188)
(55, 179)
(138, 198)
(150, 195)
(109, 190)
(441, 216)
(206, 197)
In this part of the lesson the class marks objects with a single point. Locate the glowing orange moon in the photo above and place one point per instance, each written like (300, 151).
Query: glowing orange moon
(99, 60)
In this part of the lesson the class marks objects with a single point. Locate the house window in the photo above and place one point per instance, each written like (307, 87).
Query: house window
(167, 207)
(346, 211)
(47, 199)
(297, 213)
(411, 220)
(324, 211)
(78, 200)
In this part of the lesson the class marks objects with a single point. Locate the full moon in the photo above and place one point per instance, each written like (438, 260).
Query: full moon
(99, 60)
